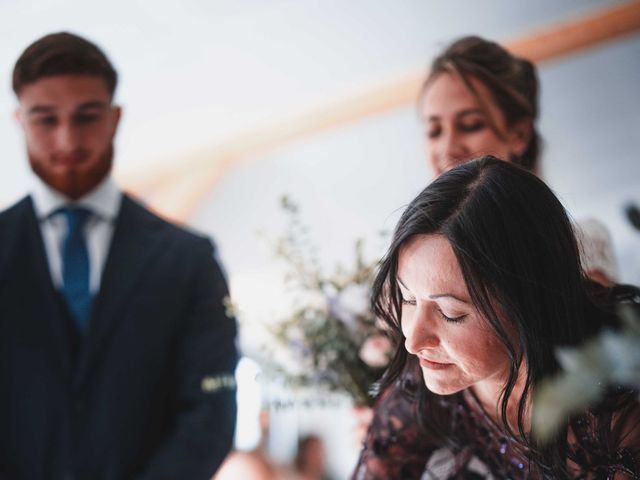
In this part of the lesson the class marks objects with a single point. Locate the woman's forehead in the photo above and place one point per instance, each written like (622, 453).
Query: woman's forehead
(448, 95)
(428, 266)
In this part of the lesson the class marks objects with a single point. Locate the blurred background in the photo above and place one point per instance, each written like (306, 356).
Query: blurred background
(230, 104)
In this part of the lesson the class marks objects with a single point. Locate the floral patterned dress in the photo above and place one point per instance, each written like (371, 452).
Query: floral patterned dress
(603, 445)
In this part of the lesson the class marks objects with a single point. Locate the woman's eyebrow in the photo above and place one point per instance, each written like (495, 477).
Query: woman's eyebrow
(470, 111)
(436, 295)
(460, 114)
(449, 295)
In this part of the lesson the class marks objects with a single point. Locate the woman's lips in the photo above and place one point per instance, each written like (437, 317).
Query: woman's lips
(433, 365)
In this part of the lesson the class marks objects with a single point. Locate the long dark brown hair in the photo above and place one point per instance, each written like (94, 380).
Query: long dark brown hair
(518, 256)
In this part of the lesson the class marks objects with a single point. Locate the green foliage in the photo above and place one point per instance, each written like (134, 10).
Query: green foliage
(610, 359)
(331, 319)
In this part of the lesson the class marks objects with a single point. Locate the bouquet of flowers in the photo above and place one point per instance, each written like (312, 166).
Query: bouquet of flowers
(331, 335)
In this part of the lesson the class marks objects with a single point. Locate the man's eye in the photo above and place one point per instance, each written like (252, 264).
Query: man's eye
(46, 121)
(86, 118)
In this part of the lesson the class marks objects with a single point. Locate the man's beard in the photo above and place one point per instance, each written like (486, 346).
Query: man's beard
(74, 183)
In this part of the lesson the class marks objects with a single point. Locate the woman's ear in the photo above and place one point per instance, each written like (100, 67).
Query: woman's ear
(519, 136)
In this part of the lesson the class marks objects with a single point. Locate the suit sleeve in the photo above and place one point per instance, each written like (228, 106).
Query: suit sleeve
(206, 397)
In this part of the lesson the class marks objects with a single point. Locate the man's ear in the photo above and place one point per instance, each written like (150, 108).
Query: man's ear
(116, 114)
(17, 116)
(519, 136)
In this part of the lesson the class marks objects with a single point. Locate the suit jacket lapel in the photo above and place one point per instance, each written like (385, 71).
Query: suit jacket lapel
(136, 240)
(48, 305)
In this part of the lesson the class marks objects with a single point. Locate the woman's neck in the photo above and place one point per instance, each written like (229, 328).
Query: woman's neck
(489, 396)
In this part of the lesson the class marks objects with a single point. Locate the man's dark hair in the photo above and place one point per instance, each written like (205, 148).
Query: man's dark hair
(62, 54)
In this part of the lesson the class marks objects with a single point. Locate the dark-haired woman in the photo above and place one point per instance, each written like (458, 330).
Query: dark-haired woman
(480, 285)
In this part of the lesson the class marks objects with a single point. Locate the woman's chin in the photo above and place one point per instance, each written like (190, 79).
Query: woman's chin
(440, 387)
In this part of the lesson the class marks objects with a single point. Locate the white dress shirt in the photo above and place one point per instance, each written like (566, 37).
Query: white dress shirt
(103, 201)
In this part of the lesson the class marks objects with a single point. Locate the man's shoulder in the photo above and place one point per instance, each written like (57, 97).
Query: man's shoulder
(15, 215)
(13, 221)
(183, 235)
(17, 210)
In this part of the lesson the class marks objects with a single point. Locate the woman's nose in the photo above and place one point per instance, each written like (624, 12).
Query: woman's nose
(448, 152)
(419, 332)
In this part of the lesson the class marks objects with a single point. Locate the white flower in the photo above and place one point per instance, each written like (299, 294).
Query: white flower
(612, 358)
(375, 351)
(355, 298)
(312, 300)
(625, 353)
(350, 303)
(562, 396)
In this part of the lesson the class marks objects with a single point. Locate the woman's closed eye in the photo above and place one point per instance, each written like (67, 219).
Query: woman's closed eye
(448, 318)
(470, 127)
(434, 131)
(452, 319)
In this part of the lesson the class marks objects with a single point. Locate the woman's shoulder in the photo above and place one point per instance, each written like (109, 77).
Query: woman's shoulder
(606, 438)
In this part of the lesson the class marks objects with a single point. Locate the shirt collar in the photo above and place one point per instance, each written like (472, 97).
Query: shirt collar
(104, 200)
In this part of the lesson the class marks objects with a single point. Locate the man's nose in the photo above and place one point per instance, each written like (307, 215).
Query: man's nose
(67, 138)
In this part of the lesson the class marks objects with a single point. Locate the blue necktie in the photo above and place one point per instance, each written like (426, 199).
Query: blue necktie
(75, 267)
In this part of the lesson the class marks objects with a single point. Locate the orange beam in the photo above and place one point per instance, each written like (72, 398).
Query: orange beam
(579, 34)
(203, 171)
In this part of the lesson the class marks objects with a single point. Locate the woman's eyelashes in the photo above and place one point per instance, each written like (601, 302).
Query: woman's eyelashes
(434, 132)
(468, 127)
(472, 127)
(448, 318)
(452, 319)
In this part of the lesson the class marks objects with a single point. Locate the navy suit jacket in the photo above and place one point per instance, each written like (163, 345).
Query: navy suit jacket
(148, 393)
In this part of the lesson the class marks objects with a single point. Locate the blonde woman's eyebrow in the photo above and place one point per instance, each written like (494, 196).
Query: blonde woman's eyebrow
(460, 114)
(470, 111)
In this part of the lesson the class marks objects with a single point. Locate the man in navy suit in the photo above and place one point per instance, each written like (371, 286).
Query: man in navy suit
(116, 351)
